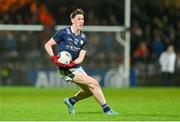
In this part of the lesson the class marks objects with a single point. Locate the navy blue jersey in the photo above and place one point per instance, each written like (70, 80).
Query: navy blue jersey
(68, 41)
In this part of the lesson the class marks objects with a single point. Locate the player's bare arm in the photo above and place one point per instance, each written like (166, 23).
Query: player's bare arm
(49, 49)
(81, 57)
(49, 46)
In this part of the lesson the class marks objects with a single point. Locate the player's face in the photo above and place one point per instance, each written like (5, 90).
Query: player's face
(78, 21)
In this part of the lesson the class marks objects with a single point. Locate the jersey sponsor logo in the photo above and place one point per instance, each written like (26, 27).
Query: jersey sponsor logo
(75, 41)
(72, 48)
(71, 41)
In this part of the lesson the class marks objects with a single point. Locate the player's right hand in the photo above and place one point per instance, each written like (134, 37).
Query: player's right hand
(55, 60)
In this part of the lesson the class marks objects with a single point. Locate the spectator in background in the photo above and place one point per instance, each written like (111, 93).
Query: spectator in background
(141, 53)
(157, 45)
(10, 45)
(45, 17)
(106, 41)
(178, 61)
(136, 35)
(167, 61)
(5, 74)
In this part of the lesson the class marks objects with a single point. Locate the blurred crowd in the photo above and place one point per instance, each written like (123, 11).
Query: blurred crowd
(53, 12)
(154, 26)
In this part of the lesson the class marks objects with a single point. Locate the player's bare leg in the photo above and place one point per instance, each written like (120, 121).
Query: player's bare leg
(95, 89)
(82, 94)
(93, 86)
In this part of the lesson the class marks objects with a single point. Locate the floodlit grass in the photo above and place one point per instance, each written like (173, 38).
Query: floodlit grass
(26, 103)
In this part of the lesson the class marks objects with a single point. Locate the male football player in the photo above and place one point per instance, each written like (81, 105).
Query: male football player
(71, 39)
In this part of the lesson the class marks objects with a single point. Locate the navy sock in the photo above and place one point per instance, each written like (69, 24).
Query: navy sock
(72, 100)
(105, 107)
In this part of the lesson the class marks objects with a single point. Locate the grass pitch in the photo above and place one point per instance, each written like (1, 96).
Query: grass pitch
(26, 103)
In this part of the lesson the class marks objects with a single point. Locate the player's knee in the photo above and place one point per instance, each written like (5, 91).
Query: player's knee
(94, 84)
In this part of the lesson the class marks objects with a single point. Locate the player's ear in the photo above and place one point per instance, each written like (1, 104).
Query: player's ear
(72, 20)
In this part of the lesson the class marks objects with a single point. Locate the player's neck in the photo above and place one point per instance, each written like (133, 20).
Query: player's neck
(75, 30)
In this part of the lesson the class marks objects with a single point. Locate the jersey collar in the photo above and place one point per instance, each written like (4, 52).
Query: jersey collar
(72, 31)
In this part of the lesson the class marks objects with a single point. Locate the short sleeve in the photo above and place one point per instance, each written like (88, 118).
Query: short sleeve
(85, 43)
(58, 36)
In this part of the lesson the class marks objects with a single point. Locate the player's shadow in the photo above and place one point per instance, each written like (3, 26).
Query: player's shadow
(89, 112)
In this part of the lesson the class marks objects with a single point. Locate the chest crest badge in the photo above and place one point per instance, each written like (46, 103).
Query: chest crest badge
(81, 42)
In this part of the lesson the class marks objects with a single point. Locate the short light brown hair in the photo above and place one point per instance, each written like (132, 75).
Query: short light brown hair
(75, 12)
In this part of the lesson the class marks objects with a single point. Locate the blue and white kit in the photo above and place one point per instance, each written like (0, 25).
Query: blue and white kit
(68, 41)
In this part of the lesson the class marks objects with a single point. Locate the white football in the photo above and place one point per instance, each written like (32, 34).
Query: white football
(65, 57)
